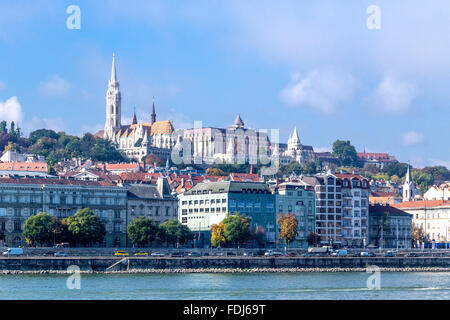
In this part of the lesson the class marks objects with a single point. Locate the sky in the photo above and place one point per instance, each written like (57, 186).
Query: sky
(279, 64)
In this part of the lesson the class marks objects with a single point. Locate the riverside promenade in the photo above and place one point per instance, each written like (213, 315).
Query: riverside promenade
(33, 264)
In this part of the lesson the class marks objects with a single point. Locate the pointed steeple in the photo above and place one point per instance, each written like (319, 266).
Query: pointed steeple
(408, 178)
(238, 123)
(153, 115)
(134, 121)
(295, 135)
(113, 70)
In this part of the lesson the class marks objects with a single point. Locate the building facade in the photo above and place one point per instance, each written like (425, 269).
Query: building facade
(22, 198)
(235, 144)
(135, 140)
(328, 189)
(154, 202)
(441, 192)
(433, 216)
(209, 203)
(389, 227)
(355, 209)
(299, 199)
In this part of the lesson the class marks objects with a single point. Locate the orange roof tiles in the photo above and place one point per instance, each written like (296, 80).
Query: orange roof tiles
(422, 204)
(24, 166)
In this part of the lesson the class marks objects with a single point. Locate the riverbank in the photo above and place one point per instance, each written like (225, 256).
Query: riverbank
(36, 265)
(228, 270)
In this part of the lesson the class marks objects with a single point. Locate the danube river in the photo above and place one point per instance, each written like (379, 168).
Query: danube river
(340, 285)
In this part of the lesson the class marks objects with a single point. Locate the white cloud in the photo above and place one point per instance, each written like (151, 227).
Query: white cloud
(11, 110)
(323, 91)
(393, 96)
(412, 138)
(55, 87)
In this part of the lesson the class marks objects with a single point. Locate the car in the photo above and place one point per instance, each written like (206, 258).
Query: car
(13, 252)
(291, 254)
(141, 253)
(388, 254)
(273, 253)
(307, 254)
(157, 254)
(248, 254)
(63, 245)
(412, 254)
(231, 254)
(177, 254)
(194, 254)
(60, 254)
(206, 254)
(341, 253)
(121, 253)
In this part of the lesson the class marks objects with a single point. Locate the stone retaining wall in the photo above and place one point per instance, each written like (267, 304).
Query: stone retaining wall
(100, 264)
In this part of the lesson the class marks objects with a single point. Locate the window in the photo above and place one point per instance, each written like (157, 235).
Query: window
(167, 211)
(117, 226)
(17, 212)
(17, 225)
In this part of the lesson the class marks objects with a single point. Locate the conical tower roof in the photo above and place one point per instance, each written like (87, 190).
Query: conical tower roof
(113, 70)
(238, 123)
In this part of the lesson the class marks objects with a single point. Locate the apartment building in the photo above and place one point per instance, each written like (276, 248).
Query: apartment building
(433, 216)
(299, 199)
(22, 198)
(328, 191)
(209, 203)
(389, 227)
(355, 209)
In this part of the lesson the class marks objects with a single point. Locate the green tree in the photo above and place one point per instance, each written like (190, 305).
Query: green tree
(104, 151)
(313, 239)
(61, 231)
(38, 134)
(3, 127)
(397, 168)
(86, 228)
(345, 152)
(310, 167)
(176, 233)
(142, 231)
(38, 229)
(293, 167)
(422, 179)
(236, 228)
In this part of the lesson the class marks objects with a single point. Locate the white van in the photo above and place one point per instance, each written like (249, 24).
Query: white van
(13, 252)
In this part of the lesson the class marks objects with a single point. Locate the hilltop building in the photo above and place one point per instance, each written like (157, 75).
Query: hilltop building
(137, 139)
(235, 144)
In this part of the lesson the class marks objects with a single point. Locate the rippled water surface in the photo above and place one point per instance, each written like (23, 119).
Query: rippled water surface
(408, 285)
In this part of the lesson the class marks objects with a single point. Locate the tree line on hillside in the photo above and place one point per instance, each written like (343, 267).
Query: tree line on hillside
(57, 146)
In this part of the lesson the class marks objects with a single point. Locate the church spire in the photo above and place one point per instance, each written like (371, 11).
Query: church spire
(153, 115)
(134, 121)
(408, 175)
(113, 70)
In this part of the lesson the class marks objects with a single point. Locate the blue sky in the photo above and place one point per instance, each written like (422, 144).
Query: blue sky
(310, 64)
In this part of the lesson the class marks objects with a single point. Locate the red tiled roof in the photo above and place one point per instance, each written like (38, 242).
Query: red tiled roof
(56, 182)
(244, 177)
(122, 166)
(24, 166)
(422, 204)
(375, 156)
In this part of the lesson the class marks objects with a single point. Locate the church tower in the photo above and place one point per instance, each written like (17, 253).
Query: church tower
(409, 189)
(113, 105)
(153, 115)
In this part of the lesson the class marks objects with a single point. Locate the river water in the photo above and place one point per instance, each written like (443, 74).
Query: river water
(271, 286)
